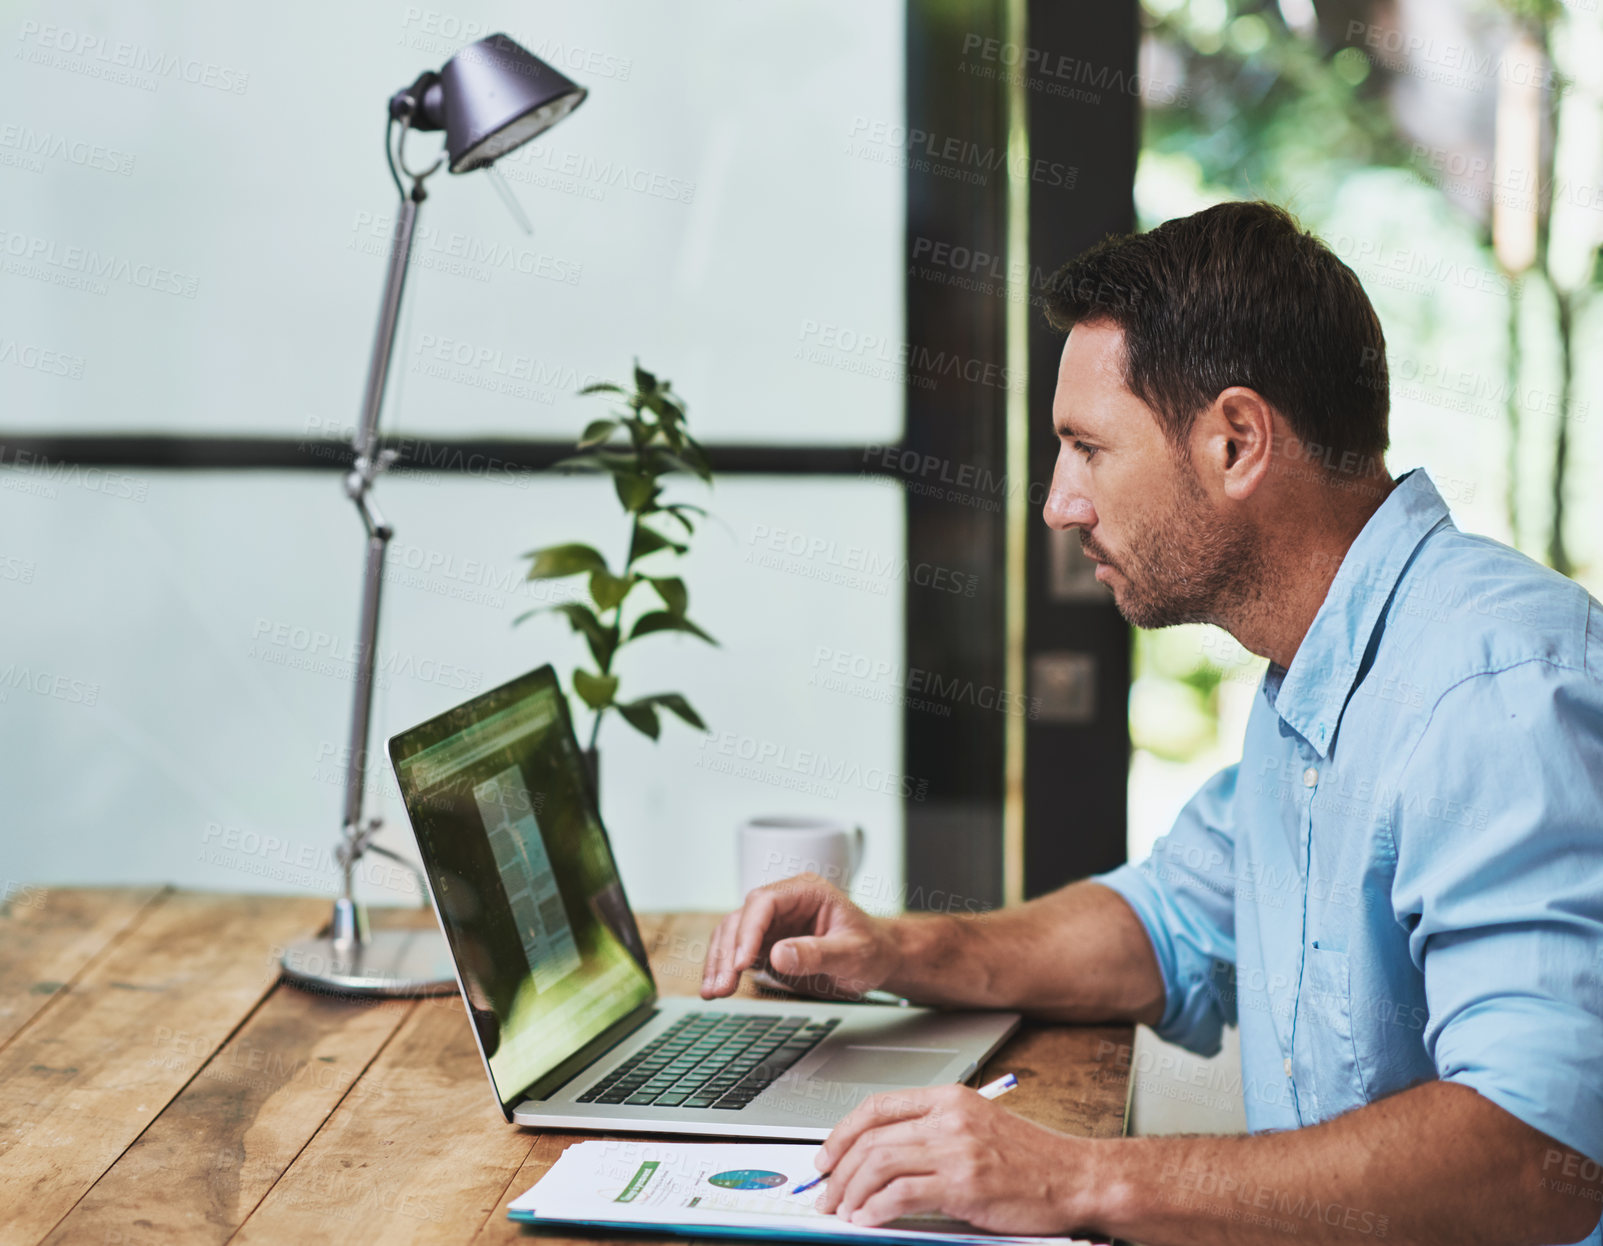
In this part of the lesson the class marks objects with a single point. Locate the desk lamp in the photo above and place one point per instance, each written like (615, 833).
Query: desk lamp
(490, 98)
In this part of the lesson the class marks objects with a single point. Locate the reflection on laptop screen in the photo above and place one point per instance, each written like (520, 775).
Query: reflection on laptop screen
(525, 882)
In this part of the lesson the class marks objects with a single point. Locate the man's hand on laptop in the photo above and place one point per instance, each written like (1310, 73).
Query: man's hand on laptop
(807, 934)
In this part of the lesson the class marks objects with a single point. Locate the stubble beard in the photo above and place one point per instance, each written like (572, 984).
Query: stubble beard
(1187, 566)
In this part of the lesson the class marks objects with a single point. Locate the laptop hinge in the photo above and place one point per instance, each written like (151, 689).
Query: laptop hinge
(557, 1078)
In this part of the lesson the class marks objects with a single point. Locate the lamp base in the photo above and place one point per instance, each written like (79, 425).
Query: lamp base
(388, 963)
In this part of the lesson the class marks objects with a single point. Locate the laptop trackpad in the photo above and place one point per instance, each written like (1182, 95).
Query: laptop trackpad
(885, 1066)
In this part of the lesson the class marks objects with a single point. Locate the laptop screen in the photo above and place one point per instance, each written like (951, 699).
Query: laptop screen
(523, 877)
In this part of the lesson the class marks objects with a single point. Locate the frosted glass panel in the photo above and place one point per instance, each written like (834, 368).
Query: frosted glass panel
(196, 211)
(176, 651)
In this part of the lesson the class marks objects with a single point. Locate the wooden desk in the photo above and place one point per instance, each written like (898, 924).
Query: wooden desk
(158, 1085)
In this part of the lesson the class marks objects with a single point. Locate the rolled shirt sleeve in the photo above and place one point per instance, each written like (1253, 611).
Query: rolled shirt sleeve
(1184, 894)
(1497, 882)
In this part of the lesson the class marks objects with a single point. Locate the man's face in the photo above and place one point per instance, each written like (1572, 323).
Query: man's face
(1167, 552)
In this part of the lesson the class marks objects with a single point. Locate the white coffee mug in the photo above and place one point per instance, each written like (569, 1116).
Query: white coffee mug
(771, 849)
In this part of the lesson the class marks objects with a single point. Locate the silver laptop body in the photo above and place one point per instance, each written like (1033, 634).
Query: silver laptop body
(555, 977)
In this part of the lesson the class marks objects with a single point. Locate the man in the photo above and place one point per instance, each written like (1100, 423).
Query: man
(1397, 894)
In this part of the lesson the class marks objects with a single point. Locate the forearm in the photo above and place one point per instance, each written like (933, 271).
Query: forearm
(1079, 954)
(1435, 1164)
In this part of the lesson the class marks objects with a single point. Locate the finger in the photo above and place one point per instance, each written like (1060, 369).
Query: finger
(755, 918)
(905, 1196)
(845, 1175)
(718, 953)
(883, 1165)
(827, 965)
(775, 912)
(876, 1110)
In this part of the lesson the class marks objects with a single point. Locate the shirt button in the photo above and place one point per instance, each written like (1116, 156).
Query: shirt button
(1310, 777)
(1288, 1066)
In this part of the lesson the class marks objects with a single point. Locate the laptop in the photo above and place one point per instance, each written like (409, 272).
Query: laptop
(555, 976)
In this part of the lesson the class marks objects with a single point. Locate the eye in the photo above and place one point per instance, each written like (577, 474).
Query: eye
(1088, 451)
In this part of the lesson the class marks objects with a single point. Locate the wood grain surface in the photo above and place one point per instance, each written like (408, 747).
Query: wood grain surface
(159, 1085)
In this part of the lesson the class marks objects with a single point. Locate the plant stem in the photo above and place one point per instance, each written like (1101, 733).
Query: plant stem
(617, 610)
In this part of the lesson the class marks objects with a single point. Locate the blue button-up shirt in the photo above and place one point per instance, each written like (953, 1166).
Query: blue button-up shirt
(1402, 879)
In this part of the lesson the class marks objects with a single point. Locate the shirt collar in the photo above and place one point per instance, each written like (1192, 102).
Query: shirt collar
(1311, 694)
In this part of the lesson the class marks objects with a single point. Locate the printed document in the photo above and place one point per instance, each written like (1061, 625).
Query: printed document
(728, 1187)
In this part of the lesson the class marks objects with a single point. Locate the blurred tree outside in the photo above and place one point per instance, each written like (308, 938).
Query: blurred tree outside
(1451, 153)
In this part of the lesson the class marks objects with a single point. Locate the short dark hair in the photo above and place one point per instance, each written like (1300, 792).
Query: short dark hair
(1238, 294)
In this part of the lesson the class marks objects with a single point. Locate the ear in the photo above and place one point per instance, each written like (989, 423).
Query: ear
(1232, 442)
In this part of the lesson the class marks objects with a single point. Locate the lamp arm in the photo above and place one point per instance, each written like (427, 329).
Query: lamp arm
(370, 462)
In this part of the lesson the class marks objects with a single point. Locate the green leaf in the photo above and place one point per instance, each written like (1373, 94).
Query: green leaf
(676, 510)
(597, 432)
(635, 491)
(608, 590)
(596, 690)
(649, 541)
(675, 703)
(665, 621)
(602, 639)
(665, 461)
(602, 387)
(667, 410)
(644, 381)
(642, 716)
(590, 462)
(673, 592)
(697, 458)
(555, 561)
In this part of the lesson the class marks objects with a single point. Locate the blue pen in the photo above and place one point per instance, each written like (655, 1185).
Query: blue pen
(991, 1090)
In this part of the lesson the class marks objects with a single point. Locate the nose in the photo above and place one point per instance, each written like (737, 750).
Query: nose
(1067, 506)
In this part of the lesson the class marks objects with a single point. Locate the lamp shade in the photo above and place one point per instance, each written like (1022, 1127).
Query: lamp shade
(496, 96)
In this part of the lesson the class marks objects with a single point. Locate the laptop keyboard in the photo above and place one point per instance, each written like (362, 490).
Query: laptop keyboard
(710, 1060)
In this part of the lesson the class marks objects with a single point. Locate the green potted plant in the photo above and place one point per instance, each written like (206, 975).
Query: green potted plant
(641, 443)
